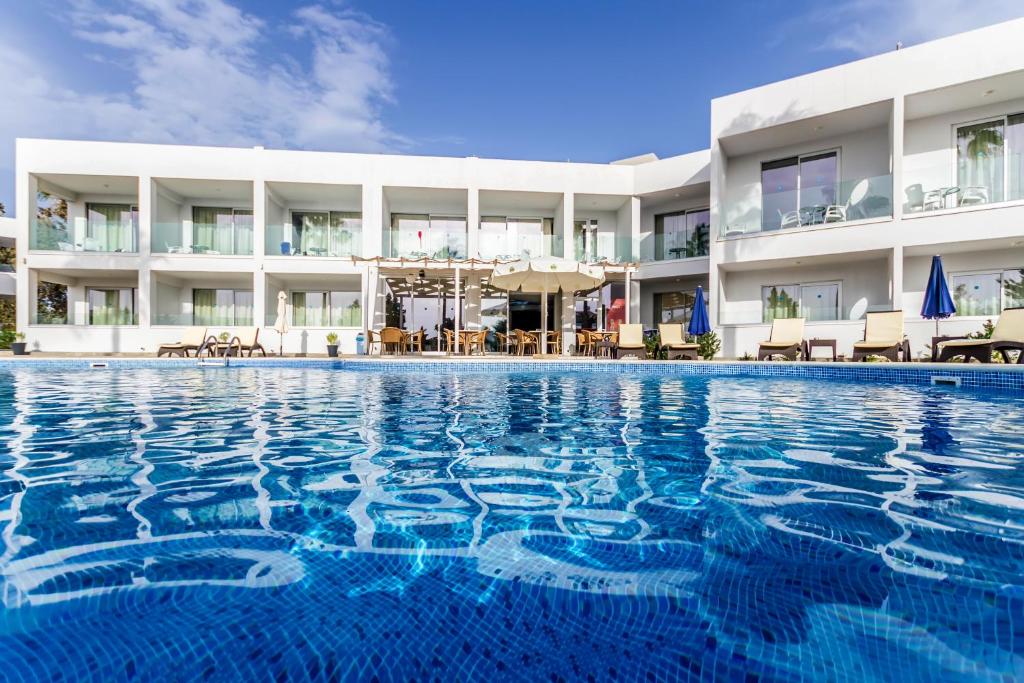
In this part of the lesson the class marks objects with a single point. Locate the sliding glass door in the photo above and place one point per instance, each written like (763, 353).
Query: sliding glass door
(111, 227)
(219, 230)
(797, 190)
(980, 162)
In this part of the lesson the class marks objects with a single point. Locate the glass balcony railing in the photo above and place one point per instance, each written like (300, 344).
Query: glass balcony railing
(674, 247)
(78, 235)
(333, 242)
(516, 247)
(939, 187)
(605, 249)
(183, 238)
(439, 246)
(851, 200)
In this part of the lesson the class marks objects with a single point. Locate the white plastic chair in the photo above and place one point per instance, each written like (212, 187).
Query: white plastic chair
(839, 214)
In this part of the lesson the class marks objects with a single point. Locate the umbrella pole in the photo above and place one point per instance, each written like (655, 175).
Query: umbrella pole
(544, 322)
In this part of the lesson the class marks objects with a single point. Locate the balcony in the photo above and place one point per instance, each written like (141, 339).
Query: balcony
(951, 186)
(85, 214)
(785, 205)
(314, 220)
(512, 246)
(212, 217)
(423, 236)
(603, 248)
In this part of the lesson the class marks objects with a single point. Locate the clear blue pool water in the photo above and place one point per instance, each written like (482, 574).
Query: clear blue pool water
(286, 523)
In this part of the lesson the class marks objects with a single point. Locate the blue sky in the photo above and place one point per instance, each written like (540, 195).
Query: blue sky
(587, 81)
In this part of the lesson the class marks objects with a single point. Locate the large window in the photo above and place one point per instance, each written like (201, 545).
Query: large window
(425, 236)
(111, 306)
(813, 301)
(327, 233)
(990, 160)
(219, 230)
(798, 189)
(682, 234)
(110, 227)
(673, 307)
(326, 309)
(987, 293)
(223, 307)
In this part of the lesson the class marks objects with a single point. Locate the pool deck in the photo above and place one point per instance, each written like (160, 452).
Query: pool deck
(952, 375)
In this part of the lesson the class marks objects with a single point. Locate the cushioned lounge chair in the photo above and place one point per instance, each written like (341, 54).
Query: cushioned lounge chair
(883, 336)
(190, 341)
(245, 340)
(631, 341)
(1007, 336)
(786, 340)
(674, 344)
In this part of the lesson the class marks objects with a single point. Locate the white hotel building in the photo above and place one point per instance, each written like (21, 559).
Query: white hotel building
(823, 196)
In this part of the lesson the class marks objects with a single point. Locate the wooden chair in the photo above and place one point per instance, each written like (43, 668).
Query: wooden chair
(372, 339)
(414, 341)
(391, 339)
(502, 342)
(447, 339)
(524, 342)
(477, 343)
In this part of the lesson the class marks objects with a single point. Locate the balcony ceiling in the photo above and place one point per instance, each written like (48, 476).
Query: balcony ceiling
(503, 202)
(427, 200)
(599, 202)
(808, 130)
(807, 261)
(65, 184)
(193, 188)
(314, 282)
(966, 95)
(312, 193)
(1009, 245)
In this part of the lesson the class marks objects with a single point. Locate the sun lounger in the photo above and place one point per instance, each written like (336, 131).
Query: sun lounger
(190, 341)
(1007, 336)
(631, 341)
(883, 336)
(786, 340)
(674, 344)
(246, 339)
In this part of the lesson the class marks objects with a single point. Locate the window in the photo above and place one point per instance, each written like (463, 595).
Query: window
(673, 307)
(327, 233)
(51, 304)
(218, 230)
(422, 235)
(990, 160)
(987, 293)
(802, 184)
(111, 306)
(110, 227)
(682, 234)
(326, 309)
(223, 307)
(815, 301)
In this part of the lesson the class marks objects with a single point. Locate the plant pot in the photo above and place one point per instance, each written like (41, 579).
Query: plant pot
(332, 350)
(19, 348)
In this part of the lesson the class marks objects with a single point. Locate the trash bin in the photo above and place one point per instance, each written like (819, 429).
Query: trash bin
(360, 344)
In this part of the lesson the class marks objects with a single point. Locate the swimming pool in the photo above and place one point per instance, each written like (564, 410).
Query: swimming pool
(310, 522)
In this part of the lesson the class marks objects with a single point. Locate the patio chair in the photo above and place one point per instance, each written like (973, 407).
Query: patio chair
(477, 343)
(554, 341)
(246, 339)
(392, 339)
(1007, 336)
(191, 340)
(883, 336)
(447, 341)
(525, 342)
(786, 340)
(674, 343)
(414, 341)
(631, 341)
(839, 214)
(372, 339)
(584, 343)
(974, 195)
(790, 219)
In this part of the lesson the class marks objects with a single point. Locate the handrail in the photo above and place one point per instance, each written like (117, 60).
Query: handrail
(227, 349)
(207, 346)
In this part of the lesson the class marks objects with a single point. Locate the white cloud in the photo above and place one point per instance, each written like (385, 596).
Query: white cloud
(207, 72)
(869, 27)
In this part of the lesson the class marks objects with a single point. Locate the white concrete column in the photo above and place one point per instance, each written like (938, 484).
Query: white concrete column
(635, 228)
(259, 298)
(458, 308)
(145, 226)
(473, 222)
(25, 284)
(896, 156)
(568, 322)
(896, 278)
(629, 297)
(143, 295)
(568, 217)
(259, 220)
(373, 220)
(719, 164)
(473, 302)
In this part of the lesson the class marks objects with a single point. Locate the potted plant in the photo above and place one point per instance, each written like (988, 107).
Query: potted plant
(19, 345)
(332, 344)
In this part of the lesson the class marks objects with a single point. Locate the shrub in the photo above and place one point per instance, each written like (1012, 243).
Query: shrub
(708, 345)
(6, 338)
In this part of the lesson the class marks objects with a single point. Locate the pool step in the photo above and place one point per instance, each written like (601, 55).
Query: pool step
(213, 363)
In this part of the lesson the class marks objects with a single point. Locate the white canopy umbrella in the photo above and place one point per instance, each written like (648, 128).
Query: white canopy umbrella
(543, 275)
(281, 324)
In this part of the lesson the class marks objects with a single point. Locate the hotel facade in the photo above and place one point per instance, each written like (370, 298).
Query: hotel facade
(822, 196)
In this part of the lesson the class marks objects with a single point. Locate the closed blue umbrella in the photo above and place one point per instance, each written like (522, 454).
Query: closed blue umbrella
(699, 323)
(938, 304)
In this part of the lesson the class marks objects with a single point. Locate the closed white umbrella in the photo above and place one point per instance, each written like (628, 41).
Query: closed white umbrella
(281, 324)
(543, 275)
